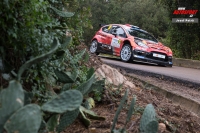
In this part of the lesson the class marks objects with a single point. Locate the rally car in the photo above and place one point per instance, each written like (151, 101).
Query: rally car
(130, 43)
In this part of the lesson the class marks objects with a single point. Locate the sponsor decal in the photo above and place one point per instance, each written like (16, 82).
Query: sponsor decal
(183, 11)
(115, 42)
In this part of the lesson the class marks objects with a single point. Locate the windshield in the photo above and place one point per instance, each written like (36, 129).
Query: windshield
(141, 34)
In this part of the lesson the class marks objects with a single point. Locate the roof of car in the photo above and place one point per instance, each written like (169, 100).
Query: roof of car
(127, 26)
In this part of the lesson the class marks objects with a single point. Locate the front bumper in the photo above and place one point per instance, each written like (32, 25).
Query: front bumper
(148, 57)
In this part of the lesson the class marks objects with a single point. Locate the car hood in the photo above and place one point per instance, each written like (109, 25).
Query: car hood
(156, 45)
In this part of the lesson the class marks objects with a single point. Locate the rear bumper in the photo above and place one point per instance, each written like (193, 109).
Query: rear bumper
(148, 57)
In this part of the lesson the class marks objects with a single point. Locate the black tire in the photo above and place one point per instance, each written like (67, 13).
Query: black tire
(165, 65)
(126, 53)
(93, 47)
(170, 65)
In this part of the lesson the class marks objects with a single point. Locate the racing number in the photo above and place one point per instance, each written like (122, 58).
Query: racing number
(115, 42)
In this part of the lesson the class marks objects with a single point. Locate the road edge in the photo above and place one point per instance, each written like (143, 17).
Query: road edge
(186, 63)
(184, 102)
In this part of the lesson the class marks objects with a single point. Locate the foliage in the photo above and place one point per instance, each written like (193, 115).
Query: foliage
(183, 38)
(53, 80)
(27, 29)
(84, 113)
(153, 16)
(149, 15)
(65, 105)
(130, 112)
(148, 123)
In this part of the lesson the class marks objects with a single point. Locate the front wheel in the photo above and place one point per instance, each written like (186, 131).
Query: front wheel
(93, 47)
(126, 53)
(170, 65)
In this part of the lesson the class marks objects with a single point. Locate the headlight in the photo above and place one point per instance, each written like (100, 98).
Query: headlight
(142, 44)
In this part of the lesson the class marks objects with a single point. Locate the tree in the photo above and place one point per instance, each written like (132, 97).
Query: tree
(148, 15)
(183, 38)
(28, 29)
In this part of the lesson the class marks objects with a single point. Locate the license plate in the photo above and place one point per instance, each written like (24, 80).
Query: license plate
(159, 55)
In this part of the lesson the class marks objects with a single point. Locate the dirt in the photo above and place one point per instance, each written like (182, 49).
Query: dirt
(175, 87)
(176, 118)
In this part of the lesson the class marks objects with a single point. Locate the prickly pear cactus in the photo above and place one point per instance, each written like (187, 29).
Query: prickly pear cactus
(67, 119)
(53, 122)
(85, 88)
(90, 114)
(63, 77)
(122, 102)
(89, 103)
(148, 123)
(66, 101)
(131, 110)
(66, 86)
(152, 127)
(25, 120)
(11, 99)
(38, 59)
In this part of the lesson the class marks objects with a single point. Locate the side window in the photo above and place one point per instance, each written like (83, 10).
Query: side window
(105, 29)
(113, 29)
(120, 32)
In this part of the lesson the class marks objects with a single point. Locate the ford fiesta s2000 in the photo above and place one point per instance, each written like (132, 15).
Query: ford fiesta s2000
(130, 43)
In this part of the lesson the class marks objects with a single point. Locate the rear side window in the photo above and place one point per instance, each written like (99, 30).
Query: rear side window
(120, 32)
(105, 29)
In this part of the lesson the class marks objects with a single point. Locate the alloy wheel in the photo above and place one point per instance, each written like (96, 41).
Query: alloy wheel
(93, 47)
(126, 53)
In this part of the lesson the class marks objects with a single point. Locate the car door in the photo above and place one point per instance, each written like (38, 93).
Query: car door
(117, 39)
(105, 39)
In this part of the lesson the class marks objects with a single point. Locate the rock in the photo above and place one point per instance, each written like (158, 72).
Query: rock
(100, 74)
(111, 75)
(129, 84)
(161, 127)
(92, 130)
(114, 89)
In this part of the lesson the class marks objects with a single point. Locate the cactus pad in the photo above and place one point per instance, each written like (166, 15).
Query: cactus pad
(149, 119)
(67, 119)
(53, 122)
(66, 101)
(91, 114)
(11, 99)
(85, 88)
(63, 77)
(122, 102)
(25, 120)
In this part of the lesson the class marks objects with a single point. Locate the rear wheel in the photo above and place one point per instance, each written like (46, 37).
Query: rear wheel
(93, 47)
(126, 53)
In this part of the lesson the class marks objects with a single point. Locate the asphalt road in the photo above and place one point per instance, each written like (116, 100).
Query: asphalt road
(186, 74)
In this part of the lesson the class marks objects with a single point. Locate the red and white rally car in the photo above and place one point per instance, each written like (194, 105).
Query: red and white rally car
(130, 43)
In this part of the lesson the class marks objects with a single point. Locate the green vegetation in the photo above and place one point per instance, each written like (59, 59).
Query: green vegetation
(183, 38)
(56, 85)
(18, 117)
(153, 16)
(148, 122)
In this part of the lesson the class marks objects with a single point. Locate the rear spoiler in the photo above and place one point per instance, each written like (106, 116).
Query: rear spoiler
(101, 25)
